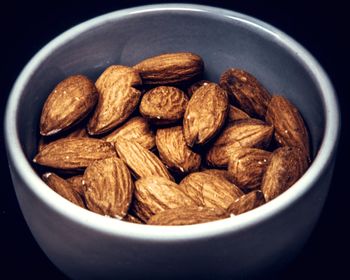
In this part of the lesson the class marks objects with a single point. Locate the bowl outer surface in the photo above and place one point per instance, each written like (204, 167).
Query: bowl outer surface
(86, 245)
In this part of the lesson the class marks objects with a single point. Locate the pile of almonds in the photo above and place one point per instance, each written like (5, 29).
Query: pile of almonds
(155, 144)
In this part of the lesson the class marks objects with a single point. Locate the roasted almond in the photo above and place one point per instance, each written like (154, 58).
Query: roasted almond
(108, 187)
(287, 165)
(247, 166)
(205, 114)
(251, 96)
(74, 153)
(154, 194)
(164, 105)
(69, 102)
(174, 152)
(141, 161)
(136, 129)
(118, 98)
(250, 133)
(220, 173)
(209, 190)
(196, 86)
(78, 184)
(246, 202)
(235, 114)
(63, 188)
(187, 216)
(170, 68)
(290, 129)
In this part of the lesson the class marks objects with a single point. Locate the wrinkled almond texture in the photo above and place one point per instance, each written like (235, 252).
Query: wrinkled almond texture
(109, 187)
(164, 105)
(196, 86)
(69, 102)
(290, 129)
(247, 91)
(141, 161)
(174, 152)
(132, 219)
(205, 114)
(170, 68)
(220, 173)
(154, 194)
(117, 99)
(63, 188)
(287, 165)
(247, 166)
(74, 153)
(210, 190)
(187, 216)
(136, 129)
(247, 202)
(235, 114)
(250, 133)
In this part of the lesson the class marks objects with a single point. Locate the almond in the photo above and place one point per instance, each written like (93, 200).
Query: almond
(247, 166)
(205, 114)
(287, 165)
(78, 184)
(290, 129)
(247, 91)
(221, 173)
(170, 68)
(136, 129)
(196, 86)
(246, 202)
(174, 152)
(69, 102)
(132, 219)
(74, 153)
(154, 194)
(109, 187)
(235, 114)
(63, 188)
(141, 161)
(118, 98)
(164, 105)
(210, 190)
(187, 216)
(250, 133)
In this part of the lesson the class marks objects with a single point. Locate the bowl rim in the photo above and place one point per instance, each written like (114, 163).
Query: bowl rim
(115, 227)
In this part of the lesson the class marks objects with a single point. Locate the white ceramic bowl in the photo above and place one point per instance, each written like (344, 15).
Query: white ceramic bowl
(85, 245)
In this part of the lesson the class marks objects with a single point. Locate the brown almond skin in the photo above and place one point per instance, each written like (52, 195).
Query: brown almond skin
(74, 153)
(132, 219)
(170, 68)
(136, 129)
(290, 129)
(118, 98)
(174, 152)
(287, 165)
(141, 161)
(247, 166)
(163, 105)
(246, 203)
(249, 133)
(70, 102)
(236, 114)
(221, 173)
(78, 183)
(242, 87)
(187, 216)
(109, 187)
(205, 114)
(196, 86)
(210, 190)
(79, 131)
(63, 188)
(154, 194)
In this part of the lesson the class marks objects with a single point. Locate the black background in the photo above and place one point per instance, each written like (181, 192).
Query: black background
(321, 26)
